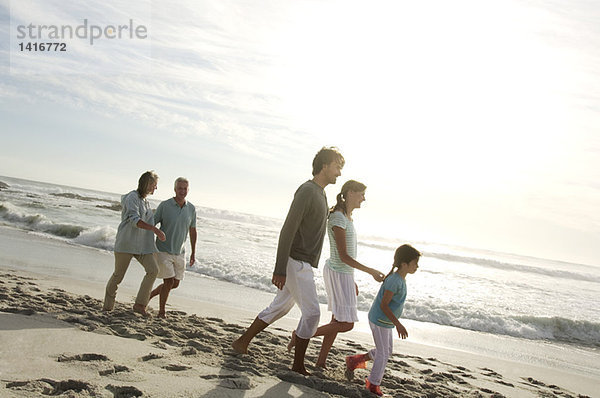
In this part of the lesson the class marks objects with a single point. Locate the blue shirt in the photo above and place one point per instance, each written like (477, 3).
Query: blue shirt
(397, 285)
(175, 222)
(131, 238)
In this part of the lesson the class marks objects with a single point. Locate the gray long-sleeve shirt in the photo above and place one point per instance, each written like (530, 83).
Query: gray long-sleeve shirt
(130, 237)
(304, 228)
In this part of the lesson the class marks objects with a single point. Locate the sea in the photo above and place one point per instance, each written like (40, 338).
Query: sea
(479, 290)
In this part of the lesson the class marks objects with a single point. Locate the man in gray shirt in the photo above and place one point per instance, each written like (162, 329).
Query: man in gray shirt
(298, 252)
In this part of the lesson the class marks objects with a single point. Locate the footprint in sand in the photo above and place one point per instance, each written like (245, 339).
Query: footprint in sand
(113, 370)
(19, 311)
(189, 351)
(176, 367)
(124, 391)
(201, 346)
(82, 357)
(53, 387)
(172, 342)
(239, 367)
(160, 345)
(233, 382)
(151, 356)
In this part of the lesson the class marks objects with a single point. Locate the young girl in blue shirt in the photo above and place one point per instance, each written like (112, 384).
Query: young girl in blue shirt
(383, 317)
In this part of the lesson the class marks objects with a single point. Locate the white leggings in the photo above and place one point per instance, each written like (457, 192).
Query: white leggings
(384, 344)
(299, 289)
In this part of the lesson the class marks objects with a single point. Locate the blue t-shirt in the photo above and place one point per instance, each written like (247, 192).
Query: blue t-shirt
(175, 222)
(396, 284)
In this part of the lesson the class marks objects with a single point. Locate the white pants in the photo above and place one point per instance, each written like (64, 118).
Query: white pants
(384, 344)
(299, 289)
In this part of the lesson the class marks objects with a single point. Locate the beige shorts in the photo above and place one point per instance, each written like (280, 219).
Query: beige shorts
(170, 265)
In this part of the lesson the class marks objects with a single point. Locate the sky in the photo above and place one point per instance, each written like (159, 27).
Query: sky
(473, 123)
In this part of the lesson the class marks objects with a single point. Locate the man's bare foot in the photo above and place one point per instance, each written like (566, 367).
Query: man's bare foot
(302, 371)
(140, 309)
(292, 342)
(162, 315)
(321, 365)
(239, 347)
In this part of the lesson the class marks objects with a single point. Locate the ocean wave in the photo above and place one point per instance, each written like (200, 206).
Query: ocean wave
(71, 195)
(38, 222)
(98, 237)
(505, 266)
(237, 217)
(490, 263)
(469, 318)
(523, 326)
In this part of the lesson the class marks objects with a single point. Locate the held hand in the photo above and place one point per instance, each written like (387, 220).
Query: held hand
(279, 281)
(378, 276)
(192, 259)
(160, 234)
(402, 333)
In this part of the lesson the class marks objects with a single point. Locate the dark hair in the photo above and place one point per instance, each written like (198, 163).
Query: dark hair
(144, 182)
(350, 185)
(326, 156)
(404, 254)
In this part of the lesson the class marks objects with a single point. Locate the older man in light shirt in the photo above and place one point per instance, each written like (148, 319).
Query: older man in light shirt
(177, 217)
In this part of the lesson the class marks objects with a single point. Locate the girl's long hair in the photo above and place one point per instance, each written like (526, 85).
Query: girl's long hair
(350, 185)
(404, 254)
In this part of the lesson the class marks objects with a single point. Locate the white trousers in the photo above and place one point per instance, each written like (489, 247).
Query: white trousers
(299, 289)
(384, 344)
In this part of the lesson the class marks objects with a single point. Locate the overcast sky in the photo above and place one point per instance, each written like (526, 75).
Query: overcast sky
(471, 122)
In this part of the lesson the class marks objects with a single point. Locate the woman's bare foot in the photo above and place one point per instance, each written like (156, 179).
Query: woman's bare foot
(140, 309)
(292, 343)
(162, 315)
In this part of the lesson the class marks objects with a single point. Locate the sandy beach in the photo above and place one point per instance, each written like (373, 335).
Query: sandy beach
(55, 340)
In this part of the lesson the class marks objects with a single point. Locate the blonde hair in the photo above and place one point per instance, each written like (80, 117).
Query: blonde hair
(144, 182)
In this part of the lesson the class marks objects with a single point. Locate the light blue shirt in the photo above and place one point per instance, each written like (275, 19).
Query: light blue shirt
(131, 238)
(175, 222)
(338, 219)
(396, 284)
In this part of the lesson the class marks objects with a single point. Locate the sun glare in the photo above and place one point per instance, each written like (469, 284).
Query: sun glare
(469, 95)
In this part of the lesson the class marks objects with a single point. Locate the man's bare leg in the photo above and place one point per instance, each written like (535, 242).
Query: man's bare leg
(164, 295)
(156, 291)
(292, 342)
(299, 353)
(241, 344)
